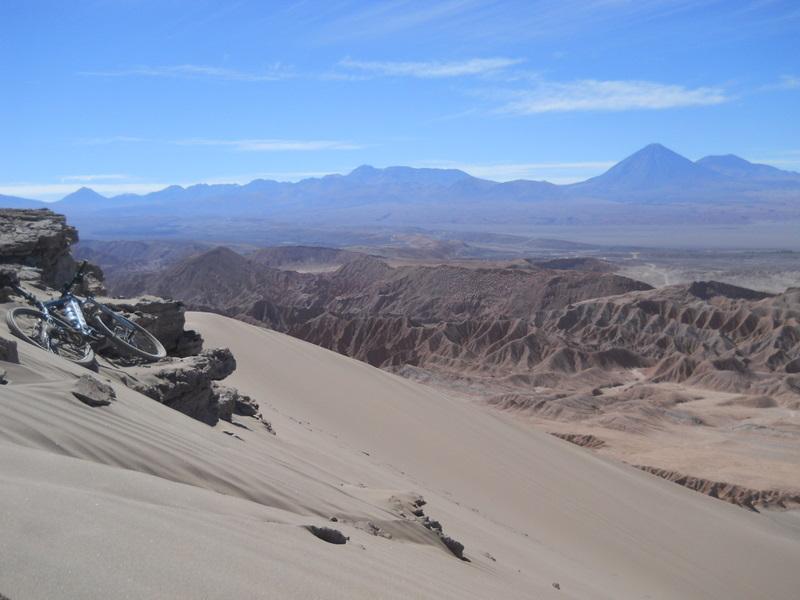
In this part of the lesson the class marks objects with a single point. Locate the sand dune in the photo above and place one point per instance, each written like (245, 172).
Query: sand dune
(137, 500)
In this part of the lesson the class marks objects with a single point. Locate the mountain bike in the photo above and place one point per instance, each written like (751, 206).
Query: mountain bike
(61, 326)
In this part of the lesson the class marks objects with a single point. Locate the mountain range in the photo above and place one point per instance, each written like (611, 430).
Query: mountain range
(668, 187)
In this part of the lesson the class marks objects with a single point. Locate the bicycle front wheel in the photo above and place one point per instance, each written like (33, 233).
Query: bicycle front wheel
(129, 337)
(54, 334)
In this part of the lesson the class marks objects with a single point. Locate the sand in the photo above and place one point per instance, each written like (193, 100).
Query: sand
(135, 500)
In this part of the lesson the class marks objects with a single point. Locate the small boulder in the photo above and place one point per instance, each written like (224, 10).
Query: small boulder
(328, 534)
(93, 392)
(3, 380)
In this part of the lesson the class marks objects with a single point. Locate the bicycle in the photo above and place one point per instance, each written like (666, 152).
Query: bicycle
(60, 326)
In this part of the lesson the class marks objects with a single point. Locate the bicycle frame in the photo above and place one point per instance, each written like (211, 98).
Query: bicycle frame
(68, 304)
(71, 307)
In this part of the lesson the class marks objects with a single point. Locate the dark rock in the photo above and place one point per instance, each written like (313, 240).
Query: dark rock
(326, 534)
(8, 279)
(245, 406)
(3, 380)
(457, 548)
(8, 350)
(189, 343)
(93, 392)
(226, 401)
(186, 384)
(231, 402)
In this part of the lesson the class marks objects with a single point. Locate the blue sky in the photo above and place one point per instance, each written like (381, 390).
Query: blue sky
(132, 95)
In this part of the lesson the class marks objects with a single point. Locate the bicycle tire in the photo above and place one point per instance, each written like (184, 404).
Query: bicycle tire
(154, 352)
(83, 354)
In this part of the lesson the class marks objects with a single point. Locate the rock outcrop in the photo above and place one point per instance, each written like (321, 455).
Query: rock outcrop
(186, 384)
(40, 241)
(731, 493)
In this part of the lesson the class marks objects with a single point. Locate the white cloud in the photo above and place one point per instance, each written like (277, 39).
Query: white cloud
(274, 72)
(272, 145)
(431, 69)
(596, 95)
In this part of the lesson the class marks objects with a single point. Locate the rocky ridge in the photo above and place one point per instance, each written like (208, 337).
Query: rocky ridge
(35, 252)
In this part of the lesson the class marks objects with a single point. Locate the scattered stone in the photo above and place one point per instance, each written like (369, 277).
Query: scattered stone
(93, 392)
(3, 380)
(557, 585)
(8, 350)
(327, 534)
(334, 520)
(490, 557)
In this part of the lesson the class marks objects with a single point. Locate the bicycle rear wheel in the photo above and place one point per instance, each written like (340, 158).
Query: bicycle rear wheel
(129, 337)
(54, 335)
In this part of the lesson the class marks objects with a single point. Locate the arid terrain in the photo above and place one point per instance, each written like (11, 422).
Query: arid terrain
(306, 473)
(698, 382)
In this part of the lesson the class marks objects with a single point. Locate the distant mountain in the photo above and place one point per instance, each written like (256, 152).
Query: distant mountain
(665, 187)
(736, 167)
(653, 167)
(83, 197)
(366, 174)
(15, 202)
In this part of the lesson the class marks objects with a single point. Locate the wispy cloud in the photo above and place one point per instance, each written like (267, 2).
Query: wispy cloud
(114, 139)
(376, 19)
(430, 69)
(242, 145)
(272, 145)
(91, 178)
(786, 82)
(273, 72)
(597, 95)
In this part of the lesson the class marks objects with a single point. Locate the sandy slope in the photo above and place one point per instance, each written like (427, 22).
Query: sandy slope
(135, 500)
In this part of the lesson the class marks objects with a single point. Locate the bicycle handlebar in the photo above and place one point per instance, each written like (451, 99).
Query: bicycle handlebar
(33, 300)
(77, 278)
